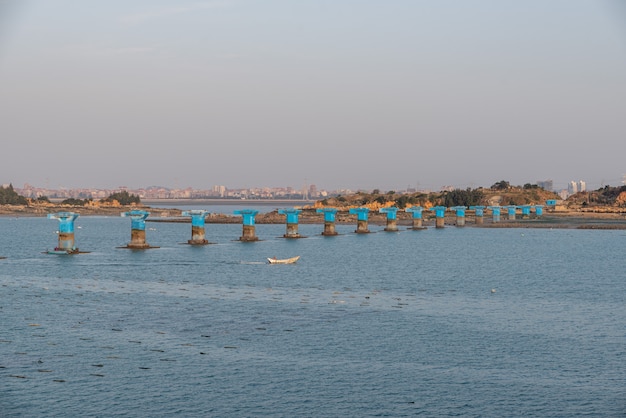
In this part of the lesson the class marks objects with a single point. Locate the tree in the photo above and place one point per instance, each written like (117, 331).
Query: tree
(124, 198)
(8, 196)
(460, 197)
(501, 185)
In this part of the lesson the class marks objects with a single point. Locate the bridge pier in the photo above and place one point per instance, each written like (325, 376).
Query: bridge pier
(417, 217)
(392, 218)
(329, 221)
(292, 222)
(479, 212)
(362, 221)
(460, 215)
(66, 243)
(525, 211)
(137, 230)
(511, 211)
(495, 213)
(440, 213)
(197, 226)
(248, 234)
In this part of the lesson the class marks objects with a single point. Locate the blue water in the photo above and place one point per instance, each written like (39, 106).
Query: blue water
(384, 324)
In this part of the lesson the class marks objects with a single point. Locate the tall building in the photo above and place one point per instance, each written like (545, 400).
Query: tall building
(572, 188)
(582, 186)
(219, 190)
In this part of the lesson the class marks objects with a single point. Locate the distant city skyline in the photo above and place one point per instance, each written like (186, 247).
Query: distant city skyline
(366, 94)
(309, 191)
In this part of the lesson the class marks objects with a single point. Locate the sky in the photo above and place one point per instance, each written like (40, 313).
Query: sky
(343, 94)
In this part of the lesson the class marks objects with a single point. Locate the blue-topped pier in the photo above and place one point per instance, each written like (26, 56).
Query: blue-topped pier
(66, 242)
(329, 220)
(392, 218)
(249, 233)
(511, 211)
(198, 231)
(416, 212)
(291, 218)
(495, 213)
(362, 220)
(460, 214)
(440, 213)
(479, 212)
(137, 230)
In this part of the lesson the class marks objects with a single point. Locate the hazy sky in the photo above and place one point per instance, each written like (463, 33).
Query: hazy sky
(338, 93)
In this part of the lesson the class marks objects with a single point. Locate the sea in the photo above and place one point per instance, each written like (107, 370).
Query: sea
(457, 321)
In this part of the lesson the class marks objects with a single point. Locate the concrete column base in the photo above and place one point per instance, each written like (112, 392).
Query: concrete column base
(392, 225)
(361, 227)
(329, 228)
(248, 234)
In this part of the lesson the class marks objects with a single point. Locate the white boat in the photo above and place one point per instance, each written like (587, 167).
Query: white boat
(283, 261)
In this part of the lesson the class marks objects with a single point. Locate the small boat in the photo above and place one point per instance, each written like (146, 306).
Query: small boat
(283, 261)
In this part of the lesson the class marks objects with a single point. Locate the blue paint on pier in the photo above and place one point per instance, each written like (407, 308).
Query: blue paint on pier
(197, 226)
(511, 211)
(329, 220)
(292, 222)
(137, 229)
(249, 234)
(66, 244)
(416, 212)
(329, 214)
(525, 210)
(440, 213)
(495, 213)
(248, 216)
(392, 225)
(361, 216)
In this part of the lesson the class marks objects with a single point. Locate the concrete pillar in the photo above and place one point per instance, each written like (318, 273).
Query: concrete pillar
(511, 209)
(292, 222)
(329, 221)
(66, 242)
(495, 213)
(392, 218)
(362, 223)
(440, 213)
(248, 215)
(417, 217)
(460, 215)
(197, 226)
(137, 229)
(525, 211)
(478, 214)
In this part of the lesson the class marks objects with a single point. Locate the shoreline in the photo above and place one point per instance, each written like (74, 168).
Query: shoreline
(571, 219)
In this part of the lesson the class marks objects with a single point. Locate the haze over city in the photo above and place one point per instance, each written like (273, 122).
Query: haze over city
(341, 94)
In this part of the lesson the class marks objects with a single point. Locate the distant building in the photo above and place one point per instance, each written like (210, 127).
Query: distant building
(574, 187)
(546, 184)
(219, 190)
